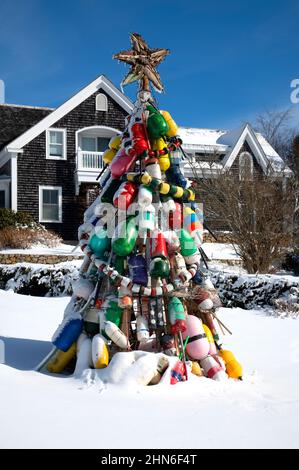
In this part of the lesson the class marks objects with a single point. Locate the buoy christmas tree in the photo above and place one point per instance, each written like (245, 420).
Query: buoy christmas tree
(141, 287)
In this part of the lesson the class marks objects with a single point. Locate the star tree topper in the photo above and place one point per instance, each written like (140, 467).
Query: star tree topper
(143, 62)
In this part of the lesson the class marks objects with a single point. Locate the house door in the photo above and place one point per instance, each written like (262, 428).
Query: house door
(2, 199)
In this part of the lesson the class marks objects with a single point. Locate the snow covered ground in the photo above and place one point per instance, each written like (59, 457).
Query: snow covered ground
(38, 249)
(40, 410)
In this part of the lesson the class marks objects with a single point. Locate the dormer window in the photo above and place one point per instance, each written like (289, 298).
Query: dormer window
(101, 102)
(56, 144)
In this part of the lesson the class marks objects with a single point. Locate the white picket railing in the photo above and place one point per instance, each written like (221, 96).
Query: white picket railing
(90, 160)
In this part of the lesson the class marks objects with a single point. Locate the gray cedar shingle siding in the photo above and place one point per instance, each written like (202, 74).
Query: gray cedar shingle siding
(35, 170)
(15, 120)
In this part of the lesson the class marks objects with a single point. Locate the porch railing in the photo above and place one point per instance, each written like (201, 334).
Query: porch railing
(90, 160)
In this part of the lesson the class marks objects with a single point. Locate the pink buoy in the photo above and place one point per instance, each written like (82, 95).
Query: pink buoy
(121, 163)
(198, 346)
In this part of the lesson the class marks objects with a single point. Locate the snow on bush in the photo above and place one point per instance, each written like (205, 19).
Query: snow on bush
(280, 293)
(39, 280)
(252, 291)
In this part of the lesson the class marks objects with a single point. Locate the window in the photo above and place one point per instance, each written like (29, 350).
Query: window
(50, 204)
(56, 144)
(94, 144)
(245, 165)
(101, 102)
(88, 144)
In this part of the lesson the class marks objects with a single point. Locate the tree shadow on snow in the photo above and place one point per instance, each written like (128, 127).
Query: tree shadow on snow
(24, 354)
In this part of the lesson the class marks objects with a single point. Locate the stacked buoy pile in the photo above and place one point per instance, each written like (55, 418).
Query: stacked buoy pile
(141, 284)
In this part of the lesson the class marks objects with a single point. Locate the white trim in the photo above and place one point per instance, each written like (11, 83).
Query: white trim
(14, 182)
(105, 103)
(99, 83)
(40, 204)
(247, 134)
(64, 155)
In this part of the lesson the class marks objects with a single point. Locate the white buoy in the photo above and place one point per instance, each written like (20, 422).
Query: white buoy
(116, 335)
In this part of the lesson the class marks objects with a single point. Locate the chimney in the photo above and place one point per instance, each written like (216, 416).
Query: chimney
(2, 92)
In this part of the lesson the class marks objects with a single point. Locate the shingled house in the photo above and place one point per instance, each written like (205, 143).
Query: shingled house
(50, 158)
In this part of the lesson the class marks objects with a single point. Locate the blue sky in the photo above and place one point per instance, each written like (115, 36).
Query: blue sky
(229, 59)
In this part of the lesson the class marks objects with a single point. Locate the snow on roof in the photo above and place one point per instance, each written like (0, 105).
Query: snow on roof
(277, 162)
(196, 137)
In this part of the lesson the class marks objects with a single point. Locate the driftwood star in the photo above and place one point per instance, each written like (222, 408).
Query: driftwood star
(143, 62)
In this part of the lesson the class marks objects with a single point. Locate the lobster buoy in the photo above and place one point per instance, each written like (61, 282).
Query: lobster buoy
(100, 243)
(202, 298)
(125, 195)
(138, 269)
(175, 176)
(173, 128)
(158, 245)
(113, 312)
(115, 142)
(233, 368)
(67, 333)
(152, 167)
(99, 352)
(168, 345)
(108, 156)
(121, 163)
(139, 139)
(177, 373)
(177, 316)
(213, 350)
(198, 346)
(145, 196)
(212, 369)
(142, 329)
(156, 123)
(188, 247)
(193, 225)
(196, 369)
(159, 268)
(61, 360)
(116, 335)
(124, 237)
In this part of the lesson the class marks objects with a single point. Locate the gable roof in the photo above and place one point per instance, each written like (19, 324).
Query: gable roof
(16, 119)
(100, 83)
(229, 143)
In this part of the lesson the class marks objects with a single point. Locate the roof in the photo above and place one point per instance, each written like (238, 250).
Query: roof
(229, 142)
(16, 119)
(17, 142)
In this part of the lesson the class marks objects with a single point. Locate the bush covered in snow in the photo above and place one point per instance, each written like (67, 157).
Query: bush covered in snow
(39, 280)
(19, 230)
(252, 291)
(280, 293)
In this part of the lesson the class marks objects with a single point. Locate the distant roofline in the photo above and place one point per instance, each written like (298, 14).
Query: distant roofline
(203, 129)
(26, 106)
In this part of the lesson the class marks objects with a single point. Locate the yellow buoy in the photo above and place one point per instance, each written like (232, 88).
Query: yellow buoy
(208, 333)
(173, 128)
(115, 142)
(196, 369)
(233, 367)
(61, 359)
(108, 155)
(100, 352)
